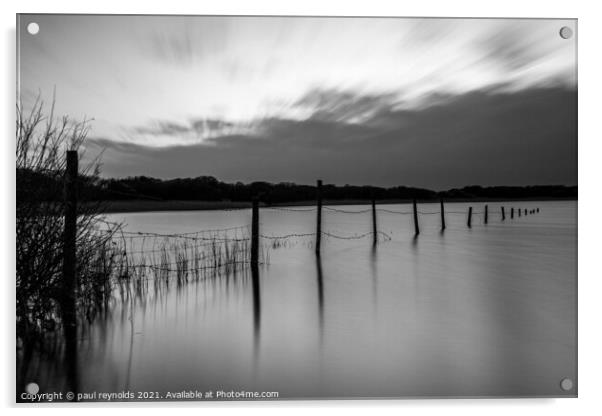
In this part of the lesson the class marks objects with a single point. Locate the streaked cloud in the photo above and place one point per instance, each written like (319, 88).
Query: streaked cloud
(183, 41)
(344, 106)
(485, 137)
(157, 133)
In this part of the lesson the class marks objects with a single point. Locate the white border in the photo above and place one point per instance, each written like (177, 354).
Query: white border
(590, 203)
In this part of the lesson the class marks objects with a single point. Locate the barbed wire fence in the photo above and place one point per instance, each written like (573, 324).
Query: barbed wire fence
(222, 248)
(229, 248)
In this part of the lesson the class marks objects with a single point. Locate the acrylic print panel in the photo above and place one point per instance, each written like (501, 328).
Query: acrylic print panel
(267, 208)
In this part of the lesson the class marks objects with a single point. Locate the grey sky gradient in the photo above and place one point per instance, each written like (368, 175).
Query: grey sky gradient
(437, 103)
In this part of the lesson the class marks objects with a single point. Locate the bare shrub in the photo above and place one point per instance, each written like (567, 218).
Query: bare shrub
(42, 140)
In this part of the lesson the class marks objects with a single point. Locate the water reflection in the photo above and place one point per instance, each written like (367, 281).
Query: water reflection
(320, 279)
(415, 241)
(463, 312)
(256, 310)
(374, 273)
(71, 350)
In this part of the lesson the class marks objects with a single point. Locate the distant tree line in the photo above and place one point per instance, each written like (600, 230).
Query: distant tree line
(208, 188)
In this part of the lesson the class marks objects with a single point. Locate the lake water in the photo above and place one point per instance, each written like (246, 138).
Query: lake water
(483, 311)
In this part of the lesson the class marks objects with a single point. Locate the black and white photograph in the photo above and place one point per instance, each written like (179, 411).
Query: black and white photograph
(271, 208)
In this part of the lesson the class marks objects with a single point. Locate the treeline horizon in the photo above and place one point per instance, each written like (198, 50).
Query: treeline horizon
(208, 188)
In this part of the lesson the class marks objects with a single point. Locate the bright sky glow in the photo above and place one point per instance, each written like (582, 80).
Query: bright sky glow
(134, 75)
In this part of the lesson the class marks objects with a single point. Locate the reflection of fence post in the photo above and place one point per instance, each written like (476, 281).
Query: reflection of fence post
(503, 214)
(374, 231)
(442, 215)
(318, 216)
(486, 214)
(255, 233)
(416, 229)
(469, 223)
(69, 269)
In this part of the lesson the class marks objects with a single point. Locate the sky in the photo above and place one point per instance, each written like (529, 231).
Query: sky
(436, 103)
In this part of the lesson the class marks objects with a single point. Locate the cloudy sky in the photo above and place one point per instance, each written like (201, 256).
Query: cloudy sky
(436, 103)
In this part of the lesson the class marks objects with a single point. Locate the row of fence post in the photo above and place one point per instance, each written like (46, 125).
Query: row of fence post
(69, 261)
(318, 242)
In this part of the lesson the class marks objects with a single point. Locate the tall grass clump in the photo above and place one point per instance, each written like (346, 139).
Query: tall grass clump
(173, 259)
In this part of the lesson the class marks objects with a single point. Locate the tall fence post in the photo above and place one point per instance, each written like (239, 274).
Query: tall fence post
(416, 228)
(503, 214)
(525, 212)
(519, 211)
(469, 222)
(442, 215)
(512, 213)
(70, 230)
(538, 210)
(374, 230)
(69, 294)
(255, 233)
(486, 214)
(318, 216)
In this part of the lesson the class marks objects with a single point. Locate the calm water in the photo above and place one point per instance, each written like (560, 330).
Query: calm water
(484, 311)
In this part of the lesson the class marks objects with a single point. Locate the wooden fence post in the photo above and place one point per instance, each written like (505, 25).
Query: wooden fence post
(319, 216)
(503, 214)
(442, 215)
(519, 212)
(374, 230)
(70, 230)
(525, 212)
(538, 210)
(512, 213)
(68, 298)
(255, 233)
(469, 223)
(416, 228)
(486, 214)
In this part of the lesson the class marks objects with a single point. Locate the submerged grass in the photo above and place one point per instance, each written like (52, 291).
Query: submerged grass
(168, 260)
